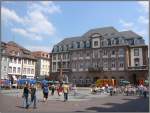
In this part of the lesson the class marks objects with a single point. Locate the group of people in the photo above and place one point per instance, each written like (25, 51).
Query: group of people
(31, 90)
(127, 90)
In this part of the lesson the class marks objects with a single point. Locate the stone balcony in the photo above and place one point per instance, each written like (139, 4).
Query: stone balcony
(144, 67)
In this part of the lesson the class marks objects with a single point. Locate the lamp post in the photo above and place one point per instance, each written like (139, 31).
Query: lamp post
(61, 73)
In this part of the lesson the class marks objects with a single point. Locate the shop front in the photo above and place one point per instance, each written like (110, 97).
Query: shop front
(104, 82)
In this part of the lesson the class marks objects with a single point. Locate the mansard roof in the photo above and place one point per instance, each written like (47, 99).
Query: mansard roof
(105, 32)
(129, 34)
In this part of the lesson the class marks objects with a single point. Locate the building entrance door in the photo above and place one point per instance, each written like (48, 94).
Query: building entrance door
(134, 79)
(95, 79)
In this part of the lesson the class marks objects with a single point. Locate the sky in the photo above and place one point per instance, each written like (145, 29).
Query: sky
(39, 25)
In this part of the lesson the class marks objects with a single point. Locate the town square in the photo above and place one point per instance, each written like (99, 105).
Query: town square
(61, 56)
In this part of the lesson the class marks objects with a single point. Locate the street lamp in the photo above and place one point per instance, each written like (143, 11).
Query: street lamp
(61, 74)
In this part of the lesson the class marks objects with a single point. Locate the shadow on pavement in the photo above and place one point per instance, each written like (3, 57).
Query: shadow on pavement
(20, 107)
(133, 105)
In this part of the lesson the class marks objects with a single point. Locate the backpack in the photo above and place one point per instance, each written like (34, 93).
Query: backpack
(45, 89)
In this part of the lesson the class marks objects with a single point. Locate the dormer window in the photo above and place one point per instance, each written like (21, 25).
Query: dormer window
(109, 42)
(117, 41)
(78, 44)
(95, 43)
(88, 44)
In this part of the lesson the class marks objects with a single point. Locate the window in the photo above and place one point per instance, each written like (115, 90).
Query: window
(87, 54)
(136, 52)
(80, 54)
(113, 64)
(95, 54)
(121, 51)
(67, 47)
(32, 71)
(54, 57)
(24, 70)
(11, 60)
(113, 42)
(81, 65)
(32, 62)
(113, 52)
(14, 69)
(105, 64)
(15, 60)
(18, 70)
(102, 42)
(109, 42)
(121, 65)
(88, 44)
(28, 71)
(59, 57)
(78, 44)
(29, 62)
(19, 61)
(10, 69)
(104, 52)
(25, 61)
(64, 56)
(95, 43)
(117, 41)
(54, 65)
(136, 61)
(4, 68)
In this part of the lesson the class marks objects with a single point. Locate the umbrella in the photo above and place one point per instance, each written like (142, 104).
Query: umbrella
(50, 81)
(32, 81)
(146, 82)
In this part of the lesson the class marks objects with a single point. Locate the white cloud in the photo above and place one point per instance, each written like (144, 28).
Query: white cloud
(35, 24)
(143, 19)
(39, 24)
(27, 34)
(39, 48)
(126, 25)
(8, 14)
(45, 7)
(144, 5)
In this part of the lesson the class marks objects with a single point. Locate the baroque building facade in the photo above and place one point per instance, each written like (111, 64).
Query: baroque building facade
(101, 53)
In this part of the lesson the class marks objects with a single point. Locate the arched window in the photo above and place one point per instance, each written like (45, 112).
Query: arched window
(88, 44)
(112, 41)
(82, 44)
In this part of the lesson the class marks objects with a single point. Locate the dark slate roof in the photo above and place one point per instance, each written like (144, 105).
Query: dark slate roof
(102, 31)
(106, 32)
(69, 40)
(129, 34)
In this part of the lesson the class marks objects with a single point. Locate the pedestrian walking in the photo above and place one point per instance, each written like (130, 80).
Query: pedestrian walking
(45, 92)
(26, 95)
(53, 89)
(66, 91)
(145, 92)
(74, 90)
(33, 96)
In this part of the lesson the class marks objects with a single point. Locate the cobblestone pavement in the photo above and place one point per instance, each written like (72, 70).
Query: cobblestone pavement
(83, 102)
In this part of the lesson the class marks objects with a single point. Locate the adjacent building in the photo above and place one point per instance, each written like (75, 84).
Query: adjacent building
(43, 63)
(17, 62)
(101, 53)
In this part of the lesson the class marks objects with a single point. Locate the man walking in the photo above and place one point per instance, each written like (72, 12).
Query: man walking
(26, 94)
(65, 90)
(33, 95)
